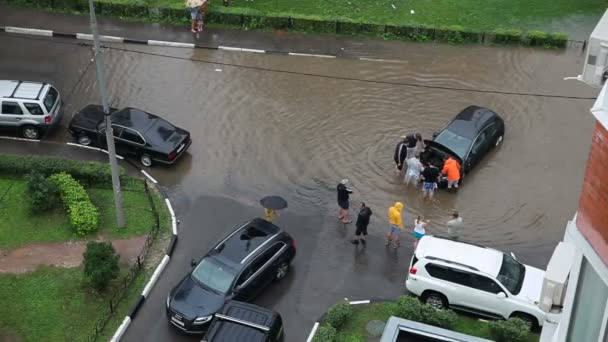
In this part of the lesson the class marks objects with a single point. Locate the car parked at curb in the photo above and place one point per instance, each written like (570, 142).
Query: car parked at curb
(31, 108)
(238, 321)
(480, 280)
(239, 267)
(467, 138)
(137, 134)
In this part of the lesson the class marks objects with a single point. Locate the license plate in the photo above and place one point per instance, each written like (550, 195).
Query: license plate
(180, 148)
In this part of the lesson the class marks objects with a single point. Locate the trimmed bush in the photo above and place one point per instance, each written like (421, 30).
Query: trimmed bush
(313, 25)
(536, 38)
(411, 308)
(512, 330)
(232, 19)
(353, 27)
(42, 193)
(83, 215)
(325, 333)
(337, 315)
(559, 40)
(502, 36)
(91, 172)
(100, 264)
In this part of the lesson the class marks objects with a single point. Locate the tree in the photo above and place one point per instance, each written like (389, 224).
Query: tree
(100, 264)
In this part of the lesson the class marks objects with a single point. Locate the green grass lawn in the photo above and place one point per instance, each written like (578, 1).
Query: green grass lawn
(473, 14)
(19, 225)
(355, 326)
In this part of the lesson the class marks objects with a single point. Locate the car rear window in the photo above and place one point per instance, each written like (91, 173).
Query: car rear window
(455, 142)
(51, 97)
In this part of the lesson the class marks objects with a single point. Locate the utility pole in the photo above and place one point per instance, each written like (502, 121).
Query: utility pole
(101, 83)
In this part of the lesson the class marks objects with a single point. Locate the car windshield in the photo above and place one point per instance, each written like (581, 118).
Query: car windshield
(50, 99)
(455, 142)
(511, 274)
(214, 274)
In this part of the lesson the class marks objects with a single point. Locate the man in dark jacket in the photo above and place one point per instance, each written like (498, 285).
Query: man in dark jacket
(343, 201)
(362, 221)
(401, 153)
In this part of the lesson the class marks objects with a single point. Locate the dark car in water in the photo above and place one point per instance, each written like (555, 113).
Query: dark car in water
(467, 139)
(238, 321)
(239, 267)
(137, 134)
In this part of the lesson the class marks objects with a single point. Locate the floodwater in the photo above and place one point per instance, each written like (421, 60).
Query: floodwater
(295, 126)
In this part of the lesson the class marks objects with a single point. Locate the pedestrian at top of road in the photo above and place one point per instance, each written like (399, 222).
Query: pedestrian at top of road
(343, 201)
(193, 8)
(414, 141)
(455, 226)
(365, 214)
(395, 221)
(200, 18)
(419, 229)
(430, 177)
(414, 169)
(451, 168)
(270, 214)
(400, 153)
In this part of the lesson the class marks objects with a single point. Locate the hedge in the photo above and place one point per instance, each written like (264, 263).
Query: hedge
(83, 215)
(89, 172)
(255, 20)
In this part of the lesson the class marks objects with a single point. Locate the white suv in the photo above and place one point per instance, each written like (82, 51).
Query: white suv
(447, 273)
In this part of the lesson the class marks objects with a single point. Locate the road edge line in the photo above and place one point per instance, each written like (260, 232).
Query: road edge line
(121, 329)
(313, 332)
(19, 139)
(25, 30)
(170, 44)
(159, 269)
(149, 177)
(310, 55)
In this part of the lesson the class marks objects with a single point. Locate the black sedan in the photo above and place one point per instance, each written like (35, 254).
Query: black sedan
(467, 138)
(239, 267)
(136, 133)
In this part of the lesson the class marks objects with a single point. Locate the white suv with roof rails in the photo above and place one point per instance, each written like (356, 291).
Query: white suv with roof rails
(481, 280)
(29, 107)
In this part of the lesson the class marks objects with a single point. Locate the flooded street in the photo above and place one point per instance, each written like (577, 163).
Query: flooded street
(295, 126)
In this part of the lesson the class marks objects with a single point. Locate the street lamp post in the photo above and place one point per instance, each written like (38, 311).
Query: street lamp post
(120, 216)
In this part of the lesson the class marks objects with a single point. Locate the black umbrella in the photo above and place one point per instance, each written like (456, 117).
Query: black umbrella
(273, 202)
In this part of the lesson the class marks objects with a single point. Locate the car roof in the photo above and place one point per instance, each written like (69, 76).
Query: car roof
(471, 120)
(21, 89)
(483, 259)
(247, 241)
(134, 118)
(238, 321)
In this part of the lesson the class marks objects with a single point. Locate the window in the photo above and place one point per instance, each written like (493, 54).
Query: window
(479, 143)
(589, 305)
(213, 274)
(267, 255)
(116, 130)
(132, 136)
(11, 108)
(511, 274)
(485, 284)
(50, 99)
(247, 272)
(449, 274)
(491, 129)
(33, 108)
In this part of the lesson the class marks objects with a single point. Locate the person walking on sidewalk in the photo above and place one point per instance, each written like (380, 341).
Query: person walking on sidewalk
(419, 229)
(362, 222)
(395, 222)
(193, 7)
(343, 201)
(202, 12)
(455, 226)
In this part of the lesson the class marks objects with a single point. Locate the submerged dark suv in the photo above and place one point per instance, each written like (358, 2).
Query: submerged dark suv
(239, 267)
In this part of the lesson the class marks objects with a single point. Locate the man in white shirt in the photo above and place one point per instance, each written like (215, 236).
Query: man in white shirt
(455, 226)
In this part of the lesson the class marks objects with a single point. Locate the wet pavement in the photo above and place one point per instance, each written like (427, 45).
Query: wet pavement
(295, 126)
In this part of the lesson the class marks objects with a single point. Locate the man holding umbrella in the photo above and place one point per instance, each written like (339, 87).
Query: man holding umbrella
(271, 204)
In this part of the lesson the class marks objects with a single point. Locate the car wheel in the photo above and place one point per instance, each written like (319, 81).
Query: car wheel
(145, 160)
(498, 141)
(531, 322)
(281, 271)
(84, 140)
(435, 300)
(30, 132)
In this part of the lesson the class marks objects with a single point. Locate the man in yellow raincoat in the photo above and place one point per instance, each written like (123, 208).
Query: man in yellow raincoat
(395, 224)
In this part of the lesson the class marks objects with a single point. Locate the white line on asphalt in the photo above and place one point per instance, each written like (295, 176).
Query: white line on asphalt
(170, 207)
(172, 44)
(218, 70)
(381, 60)
(21, 30)
(482, 320)
(121, 329)
(313, 332)
(149, 177)
(106, 152)
(174, 225)
(310, 55)
(109, 39)
(253, 50)
(355, 302)
(155, 275)
(82, 146)
(19, 139)
(229, 48)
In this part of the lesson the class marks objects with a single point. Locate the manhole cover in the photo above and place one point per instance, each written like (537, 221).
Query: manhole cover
(375, 328)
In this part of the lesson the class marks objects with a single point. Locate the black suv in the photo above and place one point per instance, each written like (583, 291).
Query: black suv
(238, 267)
(239, 321)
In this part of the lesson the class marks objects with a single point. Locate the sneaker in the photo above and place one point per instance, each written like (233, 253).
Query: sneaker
(388, 242)
(396, 245)
(354, 242)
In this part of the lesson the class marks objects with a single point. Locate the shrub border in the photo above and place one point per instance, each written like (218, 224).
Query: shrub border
(253, 20)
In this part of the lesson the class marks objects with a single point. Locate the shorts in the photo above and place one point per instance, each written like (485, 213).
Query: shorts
(193, 13)
(429, 186)
(452, 184)
(394, 230)
(418, 235)
(411, 178)
(361, 230)
(343, 204)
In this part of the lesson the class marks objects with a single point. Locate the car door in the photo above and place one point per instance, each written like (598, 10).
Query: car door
(261, 271)
(101, 135)
(452, 283)
(489, 296)
(478, 149)
(11, 114)
(130, 142)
